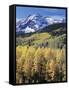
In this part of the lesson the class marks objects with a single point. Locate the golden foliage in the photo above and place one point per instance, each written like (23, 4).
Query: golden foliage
(46, 64)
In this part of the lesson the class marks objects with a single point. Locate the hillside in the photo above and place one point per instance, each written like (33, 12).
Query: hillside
(54, 37)
(57, 29)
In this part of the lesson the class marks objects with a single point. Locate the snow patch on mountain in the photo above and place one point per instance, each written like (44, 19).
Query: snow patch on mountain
(28, 30)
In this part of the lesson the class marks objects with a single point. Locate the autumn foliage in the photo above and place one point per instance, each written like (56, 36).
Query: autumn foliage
(39, 65)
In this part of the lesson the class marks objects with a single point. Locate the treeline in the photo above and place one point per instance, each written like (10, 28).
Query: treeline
(40, 65)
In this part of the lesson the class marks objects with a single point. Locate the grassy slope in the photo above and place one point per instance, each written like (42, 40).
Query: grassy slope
(35, 38)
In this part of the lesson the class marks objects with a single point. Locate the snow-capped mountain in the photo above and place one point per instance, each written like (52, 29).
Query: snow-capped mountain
(34, 23)
(53, 20)
(31, 24)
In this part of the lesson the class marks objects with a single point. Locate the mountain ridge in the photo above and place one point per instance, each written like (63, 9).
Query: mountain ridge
(34, 23)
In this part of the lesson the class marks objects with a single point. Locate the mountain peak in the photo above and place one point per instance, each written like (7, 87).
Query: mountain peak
(34, 23)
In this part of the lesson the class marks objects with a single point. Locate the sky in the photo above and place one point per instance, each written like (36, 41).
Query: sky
(23, 12)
